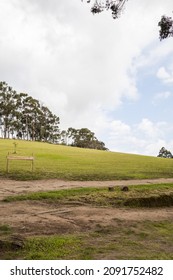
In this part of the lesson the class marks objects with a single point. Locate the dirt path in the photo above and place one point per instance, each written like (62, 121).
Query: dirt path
(40, 217)
(11, 187)
(37, 218)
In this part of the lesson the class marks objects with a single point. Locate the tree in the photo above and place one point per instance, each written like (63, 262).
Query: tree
(116, 8)
(8, 103)
(84, 138)
(165, 153)
(166, 27)
(24, 117)
(63, 137)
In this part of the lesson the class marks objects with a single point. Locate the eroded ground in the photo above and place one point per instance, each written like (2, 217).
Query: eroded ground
(41, 217)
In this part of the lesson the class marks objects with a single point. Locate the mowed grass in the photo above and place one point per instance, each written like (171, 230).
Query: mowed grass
(63, 162)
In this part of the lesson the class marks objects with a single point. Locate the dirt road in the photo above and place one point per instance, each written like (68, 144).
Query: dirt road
(11, 187)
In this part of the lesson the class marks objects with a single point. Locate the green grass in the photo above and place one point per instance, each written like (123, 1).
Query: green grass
(138, 196)
(5, 229)
(57, 161)
(135, 240)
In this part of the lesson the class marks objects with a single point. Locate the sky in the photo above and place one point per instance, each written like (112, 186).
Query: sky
(114, 77)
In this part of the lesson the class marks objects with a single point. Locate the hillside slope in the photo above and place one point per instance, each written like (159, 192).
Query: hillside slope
(64, 162)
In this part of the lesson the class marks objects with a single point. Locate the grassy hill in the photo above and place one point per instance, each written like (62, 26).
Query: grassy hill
(57, 161)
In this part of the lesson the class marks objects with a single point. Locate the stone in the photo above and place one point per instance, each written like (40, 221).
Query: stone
(111, 189)
(124, 189)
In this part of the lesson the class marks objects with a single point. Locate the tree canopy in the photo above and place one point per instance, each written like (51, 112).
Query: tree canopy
(23, 117)
(84, 138)
(164, 153)
(166, 27)
(116, 8)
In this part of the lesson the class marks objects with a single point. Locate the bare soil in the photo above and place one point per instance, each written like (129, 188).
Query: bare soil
(41, 217)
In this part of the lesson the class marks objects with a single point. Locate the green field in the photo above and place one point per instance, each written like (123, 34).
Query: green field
(63, 162)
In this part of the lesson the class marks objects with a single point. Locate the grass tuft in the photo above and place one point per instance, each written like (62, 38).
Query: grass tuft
(5, 229)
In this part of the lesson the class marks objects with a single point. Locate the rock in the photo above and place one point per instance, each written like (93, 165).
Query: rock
(111, 189)
(14, 243)
(17, 242)
(124, 189)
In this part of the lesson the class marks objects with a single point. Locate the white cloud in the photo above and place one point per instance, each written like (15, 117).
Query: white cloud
(145, 137)
(164, 75)
(150, 129)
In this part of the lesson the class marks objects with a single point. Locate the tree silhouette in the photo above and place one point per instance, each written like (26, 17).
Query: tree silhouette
(166, 27)
(164, 153)
(116, 8)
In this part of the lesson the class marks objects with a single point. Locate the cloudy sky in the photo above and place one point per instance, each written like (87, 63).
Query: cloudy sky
(112, 76)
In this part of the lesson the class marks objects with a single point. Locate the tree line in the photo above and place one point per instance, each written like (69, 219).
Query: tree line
(83, 138)
(23, 117)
